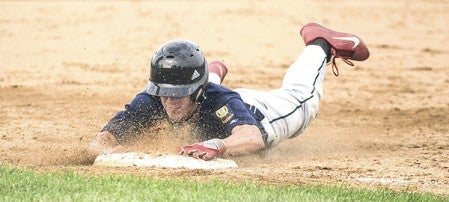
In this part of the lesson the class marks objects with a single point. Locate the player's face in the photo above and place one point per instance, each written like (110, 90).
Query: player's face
(178, 108)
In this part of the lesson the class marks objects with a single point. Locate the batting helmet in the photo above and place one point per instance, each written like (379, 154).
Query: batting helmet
(178, 69)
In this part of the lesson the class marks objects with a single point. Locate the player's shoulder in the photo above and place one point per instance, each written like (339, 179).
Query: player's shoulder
(214, 90)
(145, 96)
(145, 100)
(218, 95)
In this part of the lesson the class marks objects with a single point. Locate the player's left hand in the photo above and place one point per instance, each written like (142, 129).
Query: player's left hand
(207, 150)
(116, 150)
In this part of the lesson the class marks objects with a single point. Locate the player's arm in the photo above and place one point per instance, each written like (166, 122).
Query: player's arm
(104, 143)
(123, 125)
(244, 139)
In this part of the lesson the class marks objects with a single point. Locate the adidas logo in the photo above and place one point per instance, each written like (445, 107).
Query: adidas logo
(195, 75)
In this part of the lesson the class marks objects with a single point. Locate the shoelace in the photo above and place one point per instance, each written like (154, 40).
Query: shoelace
(343, 55)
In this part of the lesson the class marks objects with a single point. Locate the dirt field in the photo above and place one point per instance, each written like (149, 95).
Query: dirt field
(67, 67)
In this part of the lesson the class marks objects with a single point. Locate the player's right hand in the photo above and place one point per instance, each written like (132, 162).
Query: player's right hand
(204, 150)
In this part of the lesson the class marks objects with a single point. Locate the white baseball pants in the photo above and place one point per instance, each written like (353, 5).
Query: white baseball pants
(290, 109)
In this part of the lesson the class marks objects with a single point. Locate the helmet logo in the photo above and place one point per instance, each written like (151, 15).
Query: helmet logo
(195, 75)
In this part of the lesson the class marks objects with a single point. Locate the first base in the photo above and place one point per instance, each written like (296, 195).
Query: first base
(164, 161)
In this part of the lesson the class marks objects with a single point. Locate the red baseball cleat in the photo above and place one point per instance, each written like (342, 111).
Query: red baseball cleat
(344, 45)
(219, 68)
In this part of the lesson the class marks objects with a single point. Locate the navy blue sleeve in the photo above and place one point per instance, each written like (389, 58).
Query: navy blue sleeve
(234, 113)
(228, 109)
(139, 114)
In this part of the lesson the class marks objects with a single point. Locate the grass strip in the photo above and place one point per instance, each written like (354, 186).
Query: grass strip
(27, 185)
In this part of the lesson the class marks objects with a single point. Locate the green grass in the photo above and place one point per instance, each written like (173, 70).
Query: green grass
(25, 185)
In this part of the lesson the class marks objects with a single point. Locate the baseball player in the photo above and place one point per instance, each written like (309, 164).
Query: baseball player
(229, 122)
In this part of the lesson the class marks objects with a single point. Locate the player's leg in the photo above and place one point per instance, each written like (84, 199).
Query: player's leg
(290, 109)
(305, 76)
(217, 71)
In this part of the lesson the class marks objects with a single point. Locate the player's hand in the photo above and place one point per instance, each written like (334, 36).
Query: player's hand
(207, 150)
(115, 150)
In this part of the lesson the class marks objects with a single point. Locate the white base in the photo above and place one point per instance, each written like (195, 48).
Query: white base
(165, 161)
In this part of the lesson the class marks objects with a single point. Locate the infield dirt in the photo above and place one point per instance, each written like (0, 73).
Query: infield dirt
(67, 67)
